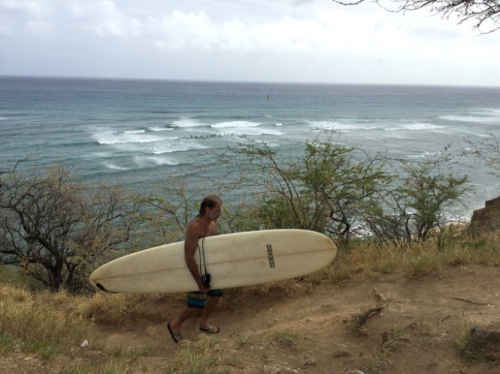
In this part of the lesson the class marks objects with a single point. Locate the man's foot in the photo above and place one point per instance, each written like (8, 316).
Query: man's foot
(175, 337)
(211, 329)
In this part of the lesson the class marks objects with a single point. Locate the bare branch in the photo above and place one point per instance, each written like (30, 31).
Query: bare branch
(484, 13)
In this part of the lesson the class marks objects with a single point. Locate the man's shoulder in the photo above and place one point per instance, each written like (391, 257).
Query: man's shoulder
(194, 225)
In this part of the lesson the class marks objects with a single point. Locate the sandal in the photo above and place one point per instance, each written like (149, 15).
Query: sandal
(211, 329)
(176, 337)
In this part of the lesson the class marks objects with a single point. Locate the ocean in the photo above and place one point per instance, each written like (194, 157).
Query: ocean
(136, 133)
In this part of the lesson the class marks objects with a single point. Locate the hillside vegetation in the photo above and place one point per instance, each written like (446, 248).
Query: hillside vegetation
(402, 295)
(429, 300)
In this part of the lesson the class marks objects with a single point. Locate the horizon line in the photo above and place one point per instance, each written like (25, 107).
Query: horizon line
(15, 76)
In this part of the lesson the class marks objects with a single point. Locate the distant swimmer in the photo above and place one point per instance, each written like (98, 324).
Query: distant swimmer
(267, 97)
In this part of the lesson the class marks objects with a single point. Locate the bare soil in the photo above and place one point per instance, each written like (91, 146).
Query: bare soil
(420, 329)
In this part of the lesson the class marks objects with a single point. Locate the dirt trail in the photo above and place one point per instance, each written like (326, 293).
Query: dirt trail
(418, 331)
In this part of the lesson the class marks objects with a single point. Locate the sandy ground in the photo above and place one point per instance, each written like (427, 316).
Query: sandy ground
(419, 330)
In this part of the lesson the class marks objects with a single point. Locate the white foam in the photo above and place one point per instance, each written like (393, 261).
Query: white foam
(255, 131)
(158, 129)
(472, 119)
(420, 126)
(488, 112)
(181, 146)
(145, 161)
(270, 145)
(423, 155)
(269, 132)
(336, 126)
(187, 122)
(244, 128)
(134, 132)
(102, 154)
(110, 137)
(111, 166)
(235, 124)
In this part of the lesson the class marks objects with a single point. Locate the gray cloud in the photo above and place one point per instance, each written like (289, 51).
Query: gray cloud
(260, 40)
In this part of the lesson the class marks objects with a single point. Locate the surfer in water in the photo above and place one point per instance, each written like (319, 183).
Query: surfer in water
(203, 225)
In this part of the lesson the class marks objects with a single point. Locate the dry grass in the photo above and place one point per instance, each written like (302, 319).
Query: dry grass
(41, 323)
(109, 309)
(422, 259)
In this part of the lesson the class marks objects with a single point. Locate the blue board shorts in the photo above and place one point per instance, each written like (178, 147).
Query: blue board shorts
(199, 300)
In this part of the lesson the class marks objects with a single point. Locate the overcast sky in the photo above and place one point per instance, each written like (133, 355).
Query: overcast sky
(242, 40)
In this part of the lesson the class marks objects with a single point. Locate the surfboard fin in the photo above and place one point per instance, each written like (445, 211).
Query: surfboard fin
(101, 287)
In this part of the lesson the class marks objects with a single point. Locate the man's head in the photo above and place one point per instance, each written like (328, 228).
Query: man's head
(211, 206)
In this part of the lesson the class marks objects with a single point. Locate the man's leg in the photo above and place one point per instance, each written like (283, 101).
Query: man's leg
(213, 300)
(176, 323)
(195, 301)
(207, 312)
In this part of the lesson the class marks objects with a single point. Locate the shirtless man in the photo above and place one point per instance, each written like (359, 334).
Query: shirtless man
(205, 224)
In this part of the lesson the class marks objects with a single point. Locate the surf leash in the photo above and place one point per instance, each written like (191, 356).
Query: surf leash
(205, 277)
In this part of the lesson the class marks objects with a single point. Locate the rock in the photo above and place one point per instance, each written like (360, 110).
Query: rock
(395, 344)
(309, 361)
(340, 354)
(487, 218)
(379, 298)
(485, 343)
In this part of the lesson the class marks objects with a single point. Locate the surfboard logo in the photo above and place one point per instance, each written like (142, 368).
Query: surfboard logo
(270, 255)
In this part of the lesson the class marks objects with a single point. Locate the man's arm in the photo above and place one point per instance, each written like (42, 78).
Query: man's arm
(190, 246)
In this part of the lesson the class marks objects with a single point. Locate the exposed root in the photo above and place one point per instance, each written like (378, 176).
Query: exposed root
(468, 301)
(360, 319)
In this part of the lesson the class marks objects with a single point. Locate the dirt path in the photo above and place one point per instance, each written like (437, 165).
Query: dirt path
(419, 329)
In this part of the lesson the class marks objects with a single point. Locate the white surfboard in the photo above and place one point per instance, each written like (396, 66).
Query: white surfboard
(233, 260)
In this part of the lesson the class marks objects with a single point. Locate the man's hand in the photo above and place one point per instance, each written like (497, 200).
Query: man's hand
(203, 289)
